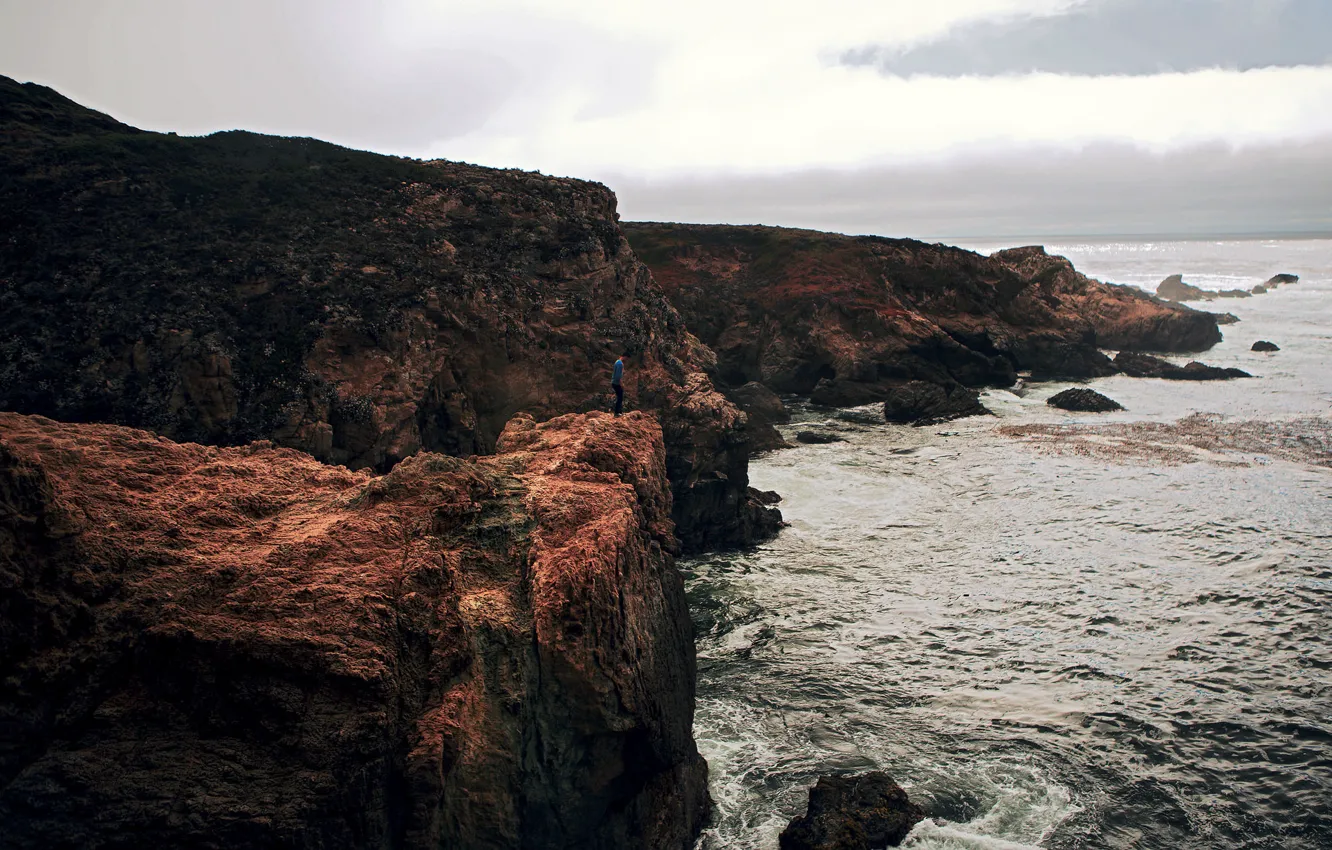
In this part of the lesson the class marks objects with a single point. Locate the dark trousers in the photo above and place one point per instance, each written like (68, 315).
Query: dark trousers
(619, 398)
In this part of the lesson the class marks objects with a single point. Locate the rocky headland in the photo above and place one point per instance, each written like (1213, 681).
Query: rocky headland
(854, 320)
(358, 307)
(244, 647)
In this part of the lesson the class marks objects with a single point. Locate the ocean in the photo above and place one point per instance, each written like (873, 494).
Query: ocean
(1053, 629)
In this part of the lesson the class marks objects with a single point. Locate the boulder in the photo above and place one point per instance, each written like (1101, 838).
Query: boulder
(1235, 293)
(1277, 279)
(1225, 318)
(817, 437)
(923, 403)
(244, 647)
(1259, 290)
(1174, 288)
(1264, 345)
(1083, 400)
(765, 411)
(1195, 371)
(853, 813)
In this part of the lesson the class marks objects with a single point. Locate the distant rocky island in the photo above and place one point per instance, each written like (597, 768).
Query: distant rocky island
(313, 529)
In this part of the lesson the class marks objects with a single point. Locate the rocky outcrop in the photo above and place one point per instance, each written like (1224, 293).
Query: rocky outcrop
(923, 403)
(1264, 345)
(1278, 279)
(1174, 288)
(853, 813)
(1234, 293)
(358, 307)
(1225, 318)
(243, 647)
(1259, 290)
(1137, 365)
(765, 411)
(847, 320)
(1083, 400)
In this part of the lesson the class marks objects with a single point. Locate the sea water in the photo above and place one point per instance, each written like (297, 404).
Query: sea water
(1053, 629)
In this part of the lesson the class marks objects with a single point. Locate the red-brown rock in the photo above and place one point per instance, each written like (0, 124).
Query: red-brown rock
(244, 647)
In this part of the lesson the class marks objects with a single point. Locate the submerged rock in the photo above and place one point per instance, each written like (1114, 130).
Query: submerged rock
(1259, 290)
(1264, 345)
(817, 437)
(1083, 400)
(1174, 288)
(244, 647)
(1137, 365)
(923, 403)
(853, 813)
(1235, 293)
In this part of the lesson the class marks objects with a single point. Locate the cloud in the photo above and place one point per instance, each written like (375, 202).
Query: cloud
(1022, 194)
(1138, 37)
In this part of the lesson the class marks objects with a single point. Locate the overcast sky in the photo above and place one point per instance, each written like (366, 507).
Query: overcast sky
(928, 118)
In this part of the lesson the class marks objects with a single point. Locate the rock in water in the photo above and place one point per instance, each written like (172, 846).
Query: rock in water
(1264, 345)
(817, 438)
(1259, 290)
(853, 813)
(924, 403)
(1137, 365)
(244, 647)
(1223, 319)
(1276, 279)
(1083, 400)
(1235, 293)
(1174, 288)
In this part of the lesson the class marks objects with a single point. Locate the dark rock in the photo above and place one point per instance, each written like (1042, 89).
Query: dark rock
(767, 497)
(1264, 345)
(1235, 293)
(1137, 365)
(1083, 400)
(1276, 279)
(853, 813)
(923, 403)
(1221, 319)
(359, 307)
(255, 649)
(817, 437)
(1259, 290)
(834, 393)
(765, 410)
(1174, 288)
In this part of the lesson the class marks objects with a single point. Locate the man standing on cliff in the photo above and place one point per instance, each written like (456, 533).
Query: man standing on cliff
(617, 383)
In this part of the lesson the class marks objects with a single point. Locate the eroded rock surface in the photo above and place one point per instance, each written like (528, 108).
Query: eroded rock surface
(847, 320)
(359, 307)
(1137, 365)
(923, 403)
(244, 647)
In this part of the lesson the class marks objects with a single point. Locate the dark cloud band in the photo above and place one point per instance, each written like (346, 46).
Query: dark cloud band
(1129, 37)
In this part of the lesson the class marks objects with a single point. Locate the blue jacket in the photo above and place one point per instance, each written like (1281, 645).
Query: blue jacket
(618, 373)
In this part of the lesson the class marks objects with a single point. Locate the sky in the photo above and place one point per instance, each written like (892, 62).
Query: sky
(947, 118)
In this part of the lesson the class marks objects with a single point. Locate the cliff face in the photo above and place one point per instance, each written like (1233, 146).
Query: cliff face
(244, 647)
(358, 307)
(849, 319)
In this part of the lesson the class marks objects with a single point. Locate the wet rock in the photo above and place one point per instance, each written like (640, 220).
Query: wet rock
(359, 307)
(922, 403)
(244, 647)
(1259, 290)
(1083, 400)
(853, 813)
(1174, 288)
(767, 497)
(1264, 345)
(1137, 365)
(765, 411)
(1221, 319)
(817, 437)
(1234, 293)
(1277, 279)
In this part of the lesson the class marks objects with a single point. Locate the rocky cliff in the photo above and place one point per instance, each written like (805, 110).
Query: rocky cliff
(852, 320)
(358, 307)
(243, 647)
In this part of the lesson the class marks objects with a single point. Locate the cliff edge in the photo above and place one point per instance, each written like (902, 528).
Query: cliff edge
(242, 647)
